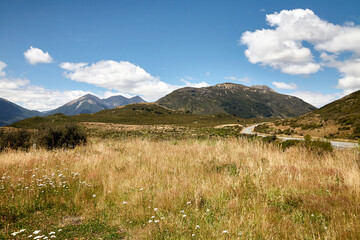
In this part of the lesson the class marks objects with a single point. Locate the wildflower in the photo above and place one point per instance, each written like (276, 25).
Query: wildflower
(156, 221)
(208, 210)
(197, 227)
(193, 235)
(15, 233)
(36, 232)
(51, 233)
(141, 189)
(29, 236)
(152, 216)
(225, 231)
(182, 211)
(188, 203)
(155, 209)
(162, 218)
(184, 215)
(52, 236)
(38, 237)
(22, 230)
(94, 195)
(312, 215)
(124, 202)
(240, 233)
(150, 221)
(60, 230)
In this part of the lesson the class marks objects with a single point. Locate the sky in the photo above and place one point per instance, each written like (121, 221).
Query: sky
(52, 52)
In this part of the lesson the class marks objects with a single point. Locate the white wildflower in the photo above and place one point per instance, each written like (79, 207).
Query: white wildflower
(51, 233)
(184, 215)
(155, 209)
(156, 221)
(15, 233)
(150, 221)
(188, 203)
(225, 231)
(36, 232)
(94, 195)
(124, 202)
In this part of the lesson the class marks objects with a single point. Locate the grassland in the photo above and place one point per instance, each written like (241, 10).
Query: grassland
(133, 187)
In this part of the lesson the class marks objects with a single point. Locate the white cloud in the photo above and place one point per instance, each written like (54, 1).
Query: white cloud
(36, 55)
(21, 92)
(282, 85)
(317, 99)
(2, 66)
(281, 47)
(122, 76)
(244, 79)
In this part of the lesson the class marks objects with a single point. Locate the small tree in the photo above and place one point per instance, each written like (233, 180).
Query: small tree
(19, 139)
(61, 136)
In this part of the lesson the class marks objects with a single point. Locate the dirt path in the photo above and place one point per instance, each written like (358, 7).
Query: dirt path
(336, 144)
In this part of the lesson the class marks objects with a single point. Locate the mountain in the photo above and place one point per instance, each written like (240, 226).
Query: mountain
(246, 102)
(116, 101)
(10, 112)
(91, 104)
(338, 119)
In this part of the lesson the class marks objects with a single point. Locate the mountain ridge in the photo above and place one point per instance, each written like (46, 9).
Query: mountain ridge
(257, 101)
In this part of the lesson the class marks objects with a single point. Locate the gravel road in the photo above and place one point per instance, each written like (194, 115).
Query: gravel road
(336, 144)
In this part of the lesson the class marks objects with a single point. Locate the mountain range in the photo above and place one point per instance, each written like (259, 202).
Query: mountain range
(257, 101)
(11, 112)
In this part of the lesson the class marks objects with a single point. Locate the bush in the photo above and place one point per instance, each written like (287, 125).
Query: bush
(317, 146)
(19, 139)
(269, 139)
(289, 143)
(62, 136)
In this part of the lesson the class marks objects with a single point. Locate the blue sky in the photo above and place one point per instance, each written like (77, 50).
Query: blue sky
(54, 51)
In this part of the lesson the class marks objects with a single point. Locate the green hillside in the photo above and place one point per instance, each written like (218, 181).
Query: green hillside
(236, 99)
(338, 119)
(137, 114)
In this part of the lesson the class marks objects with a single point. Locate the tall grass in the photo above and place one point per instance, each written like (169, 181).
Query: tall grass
(180, 189)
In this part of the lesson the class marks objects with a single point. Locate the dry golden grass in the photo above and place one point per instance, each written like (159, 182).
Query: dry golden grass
(201, 189)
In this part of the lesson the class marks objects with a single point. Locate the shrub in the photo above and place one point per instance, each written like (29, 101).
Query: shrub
(317, 146)
(289, 143)
(269, 139)
(61, 136)
(19, 139)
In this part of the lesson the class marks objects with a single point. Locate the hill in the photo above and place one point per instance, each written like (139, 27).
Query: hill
(137, 114)
(91, 104)
(236, 99)
(11, 112)
(338, 119)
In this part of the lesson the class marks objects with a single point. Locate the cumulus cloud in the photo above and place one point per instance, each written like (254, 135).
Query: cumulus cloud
(282, 85)
(244, 79)
(122, 76)
(36, 55)
(281, 47)
(317, 99)
(21, 92)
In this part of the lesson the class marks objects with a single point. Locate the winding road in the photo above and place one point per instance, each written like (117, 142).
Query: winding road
(336, 144)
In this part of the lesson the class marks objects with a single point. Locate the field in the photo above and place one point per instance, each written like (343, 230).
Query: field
(134, 186)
